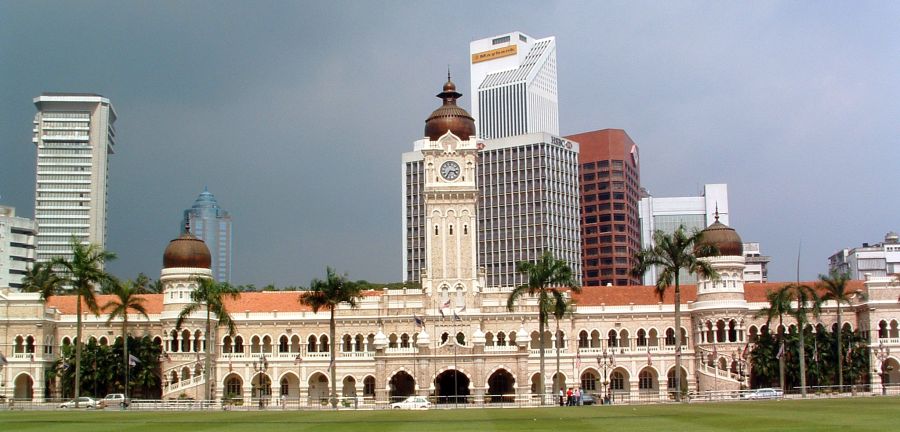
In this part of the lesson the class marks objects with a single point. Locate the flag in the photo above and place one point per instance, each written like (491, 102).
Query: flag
(780, 352)
(463, 309)
(746, 351)
(612, 358)
(715, 353)
(442, 312)
(419, 321)
(296, 359)
(649, 358)
(3, 360)
(132, 360)
(330, 365)
(446, 304)
(815, 351)
(578, 360)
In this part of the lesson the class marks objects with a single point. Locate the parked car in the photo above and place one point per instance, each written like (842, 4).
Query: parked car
(588, 399)
(763, 393)
(116, 399)
(412, 402)
(84, 402)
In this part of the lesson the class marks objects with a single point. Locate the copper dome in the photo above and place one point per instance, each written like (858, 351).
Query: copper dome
(449, 116)
(724, 238)
(187, 251)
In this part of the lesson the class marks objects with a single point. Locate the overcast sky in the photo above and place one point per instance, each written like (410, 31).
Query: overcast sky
(295, 114)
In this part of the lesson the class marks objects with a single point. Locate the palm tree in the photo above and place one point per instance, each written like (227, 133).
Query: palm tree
(560, 307)
(143, 285)
(808, 303)
(673, 253)
(210, 295)
(82, 273)
(40, 278)
(328, 294)
(779, 306)
(125, 299)
(545, 278)
(834, 285)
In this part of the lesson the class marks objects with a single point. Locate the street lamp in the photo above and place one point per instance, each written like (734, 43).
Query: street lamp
(882, 354)
(261, 367)
(605, 361)
(740, 362)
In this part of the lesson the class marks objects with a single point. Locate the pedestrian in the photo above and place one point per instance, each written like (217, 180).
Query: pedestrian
(562, 397)
(569, 397)
(577, 396)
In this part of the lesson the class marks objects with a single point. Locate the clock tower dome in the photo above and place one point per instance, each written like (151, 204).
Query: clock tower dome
(450, 153)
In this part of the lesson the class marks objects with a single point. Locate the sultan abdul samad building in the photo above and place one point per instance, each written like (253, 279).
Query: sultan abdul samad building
(282, 348)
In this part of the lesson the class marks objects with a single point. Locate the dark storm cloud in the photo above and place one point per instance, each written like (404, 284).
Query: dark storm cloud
(295, 114)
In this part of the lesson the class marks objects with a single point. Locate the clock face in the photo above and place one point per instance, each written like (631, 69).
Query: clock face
(450, 170)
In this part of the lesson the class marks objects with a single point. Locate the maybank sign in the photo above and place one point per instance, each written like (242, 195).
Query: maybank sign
(494, 54)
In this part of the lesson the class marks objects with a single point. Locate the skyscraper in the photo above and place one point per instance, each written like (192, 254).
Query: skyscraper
(16, 247)
(610, 193)
(527, 204)
(694, 213)
(210, 223)
(74, 135)
(514, 82)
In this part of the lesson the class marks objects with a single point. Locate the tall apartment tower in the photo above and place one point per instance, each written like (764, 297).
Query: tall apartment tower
(16, 247)
(514, 82)
(610, 176)
(210, 223)
(74, 136)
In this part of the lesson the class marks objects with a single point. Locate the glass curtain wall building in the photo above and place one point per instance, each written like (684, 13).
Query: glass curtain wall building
(210, 223)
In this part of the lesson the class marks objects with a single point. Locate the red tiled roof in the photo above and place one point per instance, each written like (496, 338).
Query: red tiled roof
(266, 301)
(153, 303)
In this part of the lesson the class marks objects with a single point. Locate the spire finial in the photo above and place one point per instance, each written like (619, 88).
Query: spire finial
(717, 211)
(448, 72)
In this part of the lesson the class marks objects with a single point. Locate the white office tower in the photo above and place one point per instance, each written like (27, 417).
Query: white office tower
(693, 213)
(16, 247)
(514, 82)
(74, 135)
(527, 204)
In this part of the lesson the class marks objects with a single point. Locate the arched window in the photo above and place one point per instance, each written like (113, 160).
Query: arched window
(645, 380)
(583, 339)
(311, 345)
(501, 339)
(284, 386)
(642, 338)
(186, 340)
(435, 230)
(283, 344)
(461, 338)
(392, 341)
(617, 381)
(323, 344)
(613, 339)
(450, 232)
(369, 386)
(670, 336)
(29, 344)
(732, 331)
(465, 229)
(226, 345)
(404, 340)
(238, 344)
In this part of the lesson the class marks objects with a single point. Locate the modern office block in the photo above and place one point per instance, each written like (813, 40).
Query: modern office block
(869, 260)
(210, 223)
(514, 85)
(74, 136)
(17, 247)
(610, 192)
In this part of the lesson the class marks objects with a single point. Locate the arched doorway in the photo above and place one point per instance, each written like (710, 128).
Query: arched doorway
(401, 385)
(501, 386)
(318, 389)
(559, 382)
(262, 386)
(670, 378)
(234, 387)
(451, 386)
(289, 386)
(24, 387)
(349, 387)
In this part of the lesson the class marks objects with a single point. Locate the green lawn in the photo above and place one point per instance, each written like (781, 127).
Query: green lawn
(859, 414)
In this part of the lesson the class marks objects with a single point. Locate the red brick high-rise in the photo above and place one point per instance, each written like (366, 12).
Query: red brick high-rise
(609, 171)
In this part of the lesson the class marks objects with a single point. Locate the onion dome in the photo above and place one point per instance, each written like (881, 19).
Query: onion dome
(478, 337)
(522, 336)
(381, 340)
(423, 339)
(187, 251)
(449, 116)
(891, 238)
(723, 237)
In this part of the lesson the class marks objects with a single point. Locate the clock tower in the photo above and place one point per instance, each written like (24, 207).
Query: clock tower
(450, 153)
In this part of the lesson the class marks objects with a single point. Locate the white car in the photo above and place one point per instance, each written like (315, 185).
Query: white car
(763, 393)
(412, 402)
(84, 402)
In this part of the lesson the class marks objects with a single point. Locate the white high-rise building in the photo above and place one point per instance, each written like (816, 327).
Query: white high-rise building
(74, 135)
(694, 213)
(16, 247)
(514, 85)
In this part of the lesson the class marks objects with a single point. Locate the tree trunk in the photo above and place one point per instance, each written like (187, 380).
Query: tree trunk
(802, 358)
(840, 347)
(552, 390)
(543, 380)
(125, 348)
(208, 362)
(677, 339)
(333, 362)
(77, 348)
(781, 350)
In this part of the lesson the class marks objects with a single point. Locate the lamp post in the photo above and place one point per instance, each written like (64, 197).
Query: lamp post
(261, 367)
(605, 361)
(740, 362)
(882, 353)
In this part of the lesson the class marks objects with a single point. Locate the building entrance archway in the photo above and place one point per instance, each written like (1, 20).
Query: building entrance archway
(451, 386)
(501, 386)
(402, 385)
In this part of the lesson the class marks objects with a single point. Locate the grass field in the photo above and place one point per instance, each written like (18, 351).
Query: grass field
(859, 414)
